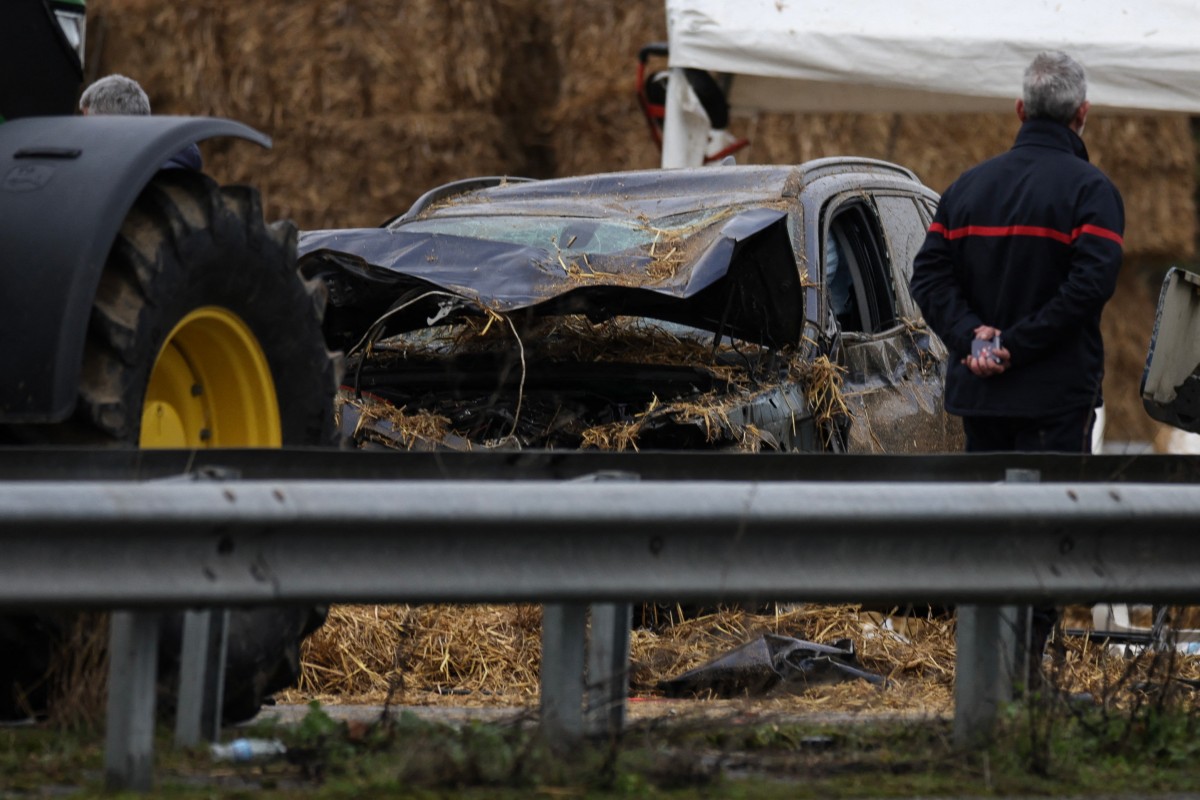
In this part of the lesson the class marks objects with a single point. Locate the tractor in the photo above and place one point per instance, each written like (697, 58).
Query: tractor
(142, 307)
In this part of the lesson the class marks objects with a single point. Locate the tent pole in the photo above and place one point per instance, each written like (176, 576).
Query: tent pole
(685, 125)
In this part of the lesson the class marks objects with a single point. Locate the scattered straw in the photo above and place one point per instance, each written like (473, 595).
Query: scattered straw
(78, 665)
(723, 384)
(477, 655)
(490, 655)
(822, 381)
(411, 429)
(615, 436)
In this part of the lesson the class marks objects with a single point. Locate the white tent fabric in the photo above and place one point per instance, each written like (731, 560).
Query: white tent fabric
(936, 55)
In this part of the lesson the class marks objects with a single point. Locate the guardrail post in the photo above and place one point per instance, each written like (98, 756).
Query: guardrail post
(1024, 661)
(993, 650)
(608, 668)
(983, 674)
(201, 676)
(564, 631)
(132, 671)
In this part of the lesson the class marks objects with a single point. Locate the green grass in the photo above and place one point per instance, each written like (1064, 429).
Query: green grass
(1038, 750)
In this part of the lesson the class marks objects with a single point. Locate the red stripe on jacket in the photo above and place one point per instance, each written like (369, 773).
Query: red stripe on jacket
(1026, 230)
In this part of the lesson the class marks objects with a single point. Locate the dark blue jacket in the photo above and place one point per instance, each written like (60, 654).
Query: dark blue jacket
(1028, 242)
(187, 158)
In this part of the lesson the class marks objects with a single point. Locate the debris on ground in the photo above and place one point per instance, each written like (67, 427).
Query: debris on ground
(771, 664)
(489, 655)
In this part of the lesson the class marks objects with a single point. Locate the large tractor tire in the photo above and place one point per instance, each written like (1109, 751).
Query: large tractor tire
(203, 334)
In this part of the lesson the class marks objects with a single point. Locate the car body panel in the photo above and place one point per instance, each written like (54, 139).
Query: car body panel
(893, 387)
(734, 252)
(895, 366)
(1171, 380)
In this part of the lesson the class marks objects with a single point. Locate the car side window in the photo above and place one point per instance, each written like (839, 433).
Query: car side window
(839, 284)
(863, 260)
(905, 229)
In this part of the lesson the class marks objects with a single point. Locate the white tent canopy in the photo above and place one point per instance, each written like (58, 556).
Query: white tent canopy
(928, 55)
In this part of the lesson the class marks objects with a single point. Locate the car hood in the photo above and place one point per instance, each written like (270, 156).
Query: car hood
(732, 271)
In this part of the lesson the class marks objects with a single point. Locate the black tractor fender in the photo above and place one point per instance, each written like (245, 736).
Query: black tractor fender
(66, 185)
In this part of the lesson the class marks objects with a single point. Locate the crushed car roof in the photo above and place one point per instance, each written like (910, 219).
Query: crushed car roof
(708, 248)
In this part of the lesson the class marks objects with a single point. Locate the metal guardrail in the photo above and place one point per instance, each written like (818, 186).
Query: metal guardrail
(429, 528)
(74, 464)
(159, 544)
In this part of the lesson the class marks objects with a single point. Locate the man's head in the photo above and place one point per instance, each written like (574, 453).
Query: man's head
(114, 94)
(1055, 88)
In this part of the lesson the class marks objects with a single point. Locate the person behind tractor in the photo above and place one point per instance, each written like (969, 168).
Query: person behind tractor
(117, 94)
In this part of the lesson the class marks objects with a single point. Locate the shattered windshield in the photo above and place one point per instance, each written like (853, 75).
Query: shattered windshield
(568, 235)
(727, 270)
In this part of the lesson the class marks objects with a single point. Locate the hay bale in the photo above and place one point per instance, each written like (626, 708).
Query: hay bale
(348, 173)
(1126, 326)
(347, 57)
(364, 121)
(606, 136)
(172, 50)
(1150, 158)
(598, 42)
(595, 122)
(794, 138)
(563, 104)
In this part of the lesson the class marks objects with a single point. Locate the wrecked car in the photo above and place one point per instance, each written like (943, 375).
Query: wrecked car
(729, 307)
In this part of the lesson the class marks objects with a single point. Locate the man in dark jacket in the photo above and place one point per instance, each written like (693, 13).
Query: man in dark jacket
(117, 94)
(1021, 257)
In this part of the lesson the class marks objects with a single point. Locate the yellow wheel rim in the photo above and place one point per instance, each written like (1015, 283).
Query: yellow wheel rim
(211, 386)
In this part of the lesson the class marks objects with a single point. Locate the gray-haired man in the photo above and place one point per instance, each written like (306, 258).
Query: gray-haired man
(117, 94)
(1021, 257)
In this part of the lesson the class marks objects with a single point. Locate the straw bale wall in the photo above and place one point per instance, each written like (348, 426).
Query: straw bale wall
(372, 102)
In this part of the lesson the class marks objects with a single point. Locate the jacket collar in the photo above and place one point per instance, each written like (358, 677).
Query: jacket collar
(1046, 133)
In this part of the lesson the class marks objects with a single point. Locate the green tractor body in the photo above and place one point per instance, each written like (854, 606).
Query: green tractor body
(142, 306)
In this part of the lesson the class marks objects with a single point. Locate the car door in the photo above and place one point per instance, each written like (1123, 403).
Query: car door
(895, 367)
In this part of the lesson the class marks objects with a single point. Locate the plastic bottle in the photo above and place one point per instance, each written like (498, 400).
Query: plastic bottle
(248, 750)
